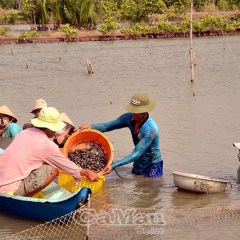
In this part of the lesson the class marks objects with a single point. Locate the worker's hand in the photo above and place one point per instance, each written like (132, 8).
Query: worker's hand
(84, 126)
(107, 170)
(92, 176)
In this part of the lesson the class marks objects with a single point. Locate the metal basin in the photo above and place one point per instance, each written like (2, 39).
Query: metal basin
(198, 183)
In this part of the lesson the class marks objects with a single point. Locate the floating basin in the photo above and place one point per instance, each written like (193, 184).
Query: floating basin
(197, 183)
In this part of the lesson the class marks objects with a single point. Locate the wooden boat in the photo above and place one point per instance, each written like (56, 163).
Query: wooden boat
(198, 183)
(51, 203)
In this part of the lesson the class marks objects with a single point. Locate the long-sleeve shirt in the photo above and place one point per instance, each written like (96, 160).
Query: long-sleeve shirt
(146, 141)
(28, 151)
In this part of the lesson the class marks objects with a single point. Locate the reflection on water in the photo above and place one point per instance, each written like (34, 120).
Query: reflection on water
(182, 199)
(197, 130)
(10, 223)
(137, 192)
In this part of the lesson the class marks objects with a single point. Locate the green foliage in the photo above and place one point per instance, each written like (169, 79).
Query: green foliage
(23, 34)
(213, 22)
(77, 13)
(136, 30)
(165, 26)
(108, 8)
(110, 25)
(171, 13)
(8, 4)
(170, 3)
(69, 31)
(184, 24)
(230, 27)
(200, 4)
(198, 26)
(209, 22)
(3, 31)
(12, 17)
(2, 19)
(237, 16)
(226, 5)
(33, 33)
(36, 12)
(140, 10)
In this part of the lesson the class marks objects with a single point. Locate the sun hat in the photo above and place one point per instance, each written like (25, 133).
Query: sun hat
(237, 145)
(66, 119)
(5, 110)
(140, 103)
(49, 117)
(39, 104)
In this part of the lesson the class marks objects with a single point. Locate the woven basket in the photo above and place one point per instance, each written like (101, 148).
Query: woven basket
(66, 180)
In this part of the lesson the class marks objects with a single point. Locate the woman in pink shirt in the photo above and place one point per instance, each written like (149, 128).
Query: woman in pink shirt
(32, 160)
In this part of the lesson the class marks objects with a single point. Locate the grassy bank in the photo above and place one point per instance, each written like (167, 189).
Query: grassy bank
(207, 23)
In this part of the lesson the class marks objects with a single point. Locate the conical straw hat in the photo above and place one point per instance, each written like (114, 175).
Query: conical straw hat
(5, 110)
(66, 119)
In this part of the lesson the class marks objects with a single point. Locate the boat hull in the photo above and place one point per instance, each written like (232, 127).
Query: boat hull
(60, 203)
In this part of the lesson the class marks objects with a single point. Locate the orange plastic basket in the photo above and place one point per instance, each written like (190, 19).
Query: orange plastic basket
(75, 142)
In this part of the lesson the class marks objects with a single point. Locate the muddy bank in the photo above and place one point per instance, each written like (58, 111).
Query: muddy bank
(113, 37)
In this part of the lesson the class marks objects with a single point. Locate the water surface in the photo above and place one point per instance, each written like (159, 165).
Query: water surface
(198, 121)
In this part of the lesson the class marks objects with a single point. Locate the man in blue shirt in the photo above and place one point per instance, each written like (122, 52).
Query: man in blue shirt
(146, 156)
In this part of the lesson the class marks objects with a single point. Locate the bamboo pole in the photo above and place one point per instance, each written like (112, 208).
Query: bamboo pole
(89, 66)
(191, 49)
(60, 53)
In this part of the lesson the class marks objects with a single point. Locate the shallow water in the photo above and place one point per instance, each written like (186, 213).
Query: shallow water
(198, 121)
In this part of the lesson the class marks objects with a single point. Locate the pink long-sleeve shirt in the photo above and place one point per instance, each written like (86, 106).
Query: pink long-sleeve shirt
(29, 150)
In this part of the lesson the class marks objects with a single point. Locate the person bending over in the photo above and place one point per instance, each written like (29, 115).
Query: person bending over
(32, 160)
(146, 156)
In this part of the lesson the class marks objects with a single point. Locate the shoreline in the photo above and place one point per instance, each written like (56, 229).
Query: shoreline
(55, 37)
(112, 37)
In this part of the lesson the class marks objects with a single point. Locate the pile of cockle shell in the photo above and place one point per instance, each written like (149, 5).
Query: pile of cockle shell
(88, 155)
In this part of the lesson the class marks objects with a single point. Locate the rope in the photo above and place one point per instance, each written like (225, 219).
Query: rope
(118, 173)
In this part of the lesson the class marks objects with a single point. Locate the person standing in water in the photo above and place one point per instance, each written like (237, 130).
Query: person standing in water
(237, 145)
(146, 155)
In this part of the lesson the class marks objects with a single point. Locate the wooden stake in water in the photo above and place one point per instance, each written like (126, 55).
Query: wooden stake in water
(26, 64)
(191, 49)
(65, 46)
(89, 66)
(60, 53)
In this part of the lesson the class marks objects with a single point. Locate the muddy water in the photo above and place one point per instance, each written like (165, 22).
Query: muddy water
(198, 121)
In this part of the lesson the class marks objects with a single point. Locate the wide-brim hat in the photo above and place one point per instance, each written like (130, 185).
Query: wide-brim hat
(39, 104)
(140, 103)
(66, 119)
(237, 145)
(5, 110)
(49, 117)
